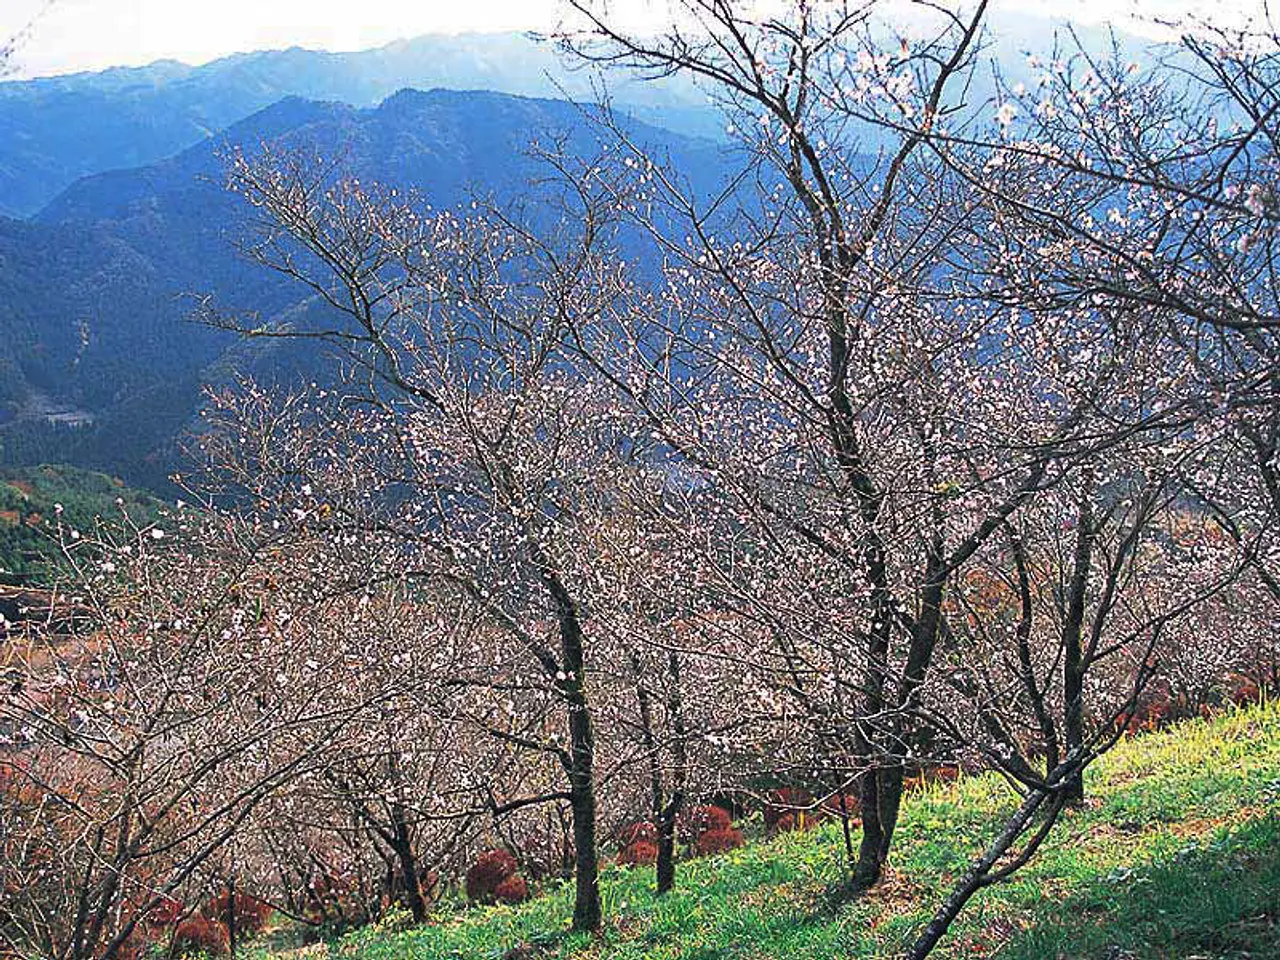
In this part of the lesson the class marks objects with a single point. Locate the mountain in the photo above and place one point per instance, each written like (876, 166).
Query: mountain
(100, 366)
(121, 175)
(56, 130)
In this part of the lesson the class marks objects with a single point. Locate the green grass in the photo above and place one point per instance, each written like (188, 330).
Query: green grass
(1176, 855)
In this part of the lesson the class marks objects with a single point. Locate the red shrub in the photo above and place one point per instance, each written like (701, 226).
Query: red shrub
(200, 935)
(166, 913)
(946, 773)
(134, 948)
(636, 832)
(695, 821)
(251, 914)
(1245, 691)
(787, 802)
(640, 853)
(512, 890)
(784, 824)
(487, 873)
(719, 841)
(331, 894)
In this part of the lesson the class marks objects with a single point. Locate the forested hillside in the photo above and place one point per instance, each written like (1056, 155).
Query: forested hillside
(64, 128)
(43, 508)
(100, 289)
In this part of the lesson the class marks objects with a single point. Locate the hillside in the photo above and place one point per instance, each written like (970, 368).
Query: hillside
(30, 499)
(1177, 855)
(64, 128)
(96, 291)
(59, 129)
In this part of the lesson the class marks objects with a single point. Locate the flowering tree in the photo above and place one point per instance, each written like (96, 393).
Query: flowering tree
(139, 746)
(822, 364)
(475, 450)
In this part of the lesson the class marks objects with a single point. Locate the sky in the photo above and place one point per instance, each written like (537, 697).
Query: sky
(70, 35)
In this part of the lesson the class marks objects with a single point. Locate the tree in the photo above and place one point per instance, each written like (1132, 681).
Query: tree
(9, 47)
(825, 366)
(142, 743)
(486, 456)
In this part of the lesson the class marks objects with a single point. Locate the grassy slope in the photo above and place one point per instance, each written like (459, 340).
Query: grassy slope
(1176, 855)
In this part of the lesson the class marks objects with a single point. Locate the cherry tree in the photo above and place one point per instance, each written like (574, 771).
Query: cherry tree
(138, 746)
(469, 443)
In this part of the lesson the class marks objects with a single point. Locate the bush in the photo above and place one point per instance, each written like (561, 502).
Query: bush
(945, 773)
(331, 896)
(696, 821)
(1245, 691)
(719, 841)
(251, 914)
(642, 830)
(166, 913)
(512, 890)
(487, 873)
(787, 802)
(640, 853)
(200, 935)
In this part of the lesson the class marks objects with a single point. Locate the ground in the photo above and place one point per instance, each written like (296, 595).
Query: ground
(1175, 855)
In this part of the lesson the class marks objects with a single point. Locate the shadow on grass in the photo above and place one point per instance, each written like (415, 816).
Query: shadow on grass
(1217, 897)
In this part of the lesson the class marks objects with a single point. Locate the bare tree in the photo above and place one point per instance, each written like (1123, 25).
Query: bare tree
(455, 328)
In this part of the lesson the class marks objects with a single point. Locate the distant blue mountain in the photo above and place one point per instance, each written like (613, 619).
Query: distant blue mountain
(95, 289)
(120, 175)
(56, 130)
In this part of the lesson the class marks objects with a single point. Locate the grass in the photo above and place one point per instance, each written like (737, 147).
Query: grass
(1176, 855)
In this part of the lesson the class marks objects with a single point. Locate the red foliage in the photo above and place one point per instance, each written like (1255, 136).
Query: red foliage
(487, 873)
(200, 935)
(1148, 716)
(695, 821)
(639, 853)
(330, 894)
(946, 773)
(787, 802)
(512, 890)
(166, 913)
(642, 830)
(133, 948)
(1245, 691)
(784, 824)
(251, 914)
(719, 841)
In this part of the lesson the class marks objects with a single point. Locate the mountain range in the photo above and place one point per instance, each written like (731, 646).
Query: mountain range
(101, 366)
(114, 216)
(58, 129)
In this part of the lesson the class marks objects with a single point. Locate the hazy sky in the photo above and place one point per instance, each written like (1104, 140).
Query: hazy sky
(69, 35)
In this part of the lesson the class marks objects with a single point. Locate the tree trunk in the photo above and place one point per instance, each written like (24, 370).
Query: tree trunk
(402, 845)
(580, 761)
(666, 815)
(1073, 665)
(890, 783)
(231, 917)
(871, 849)
(666, 864)
(586, 905)
(981, 874)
